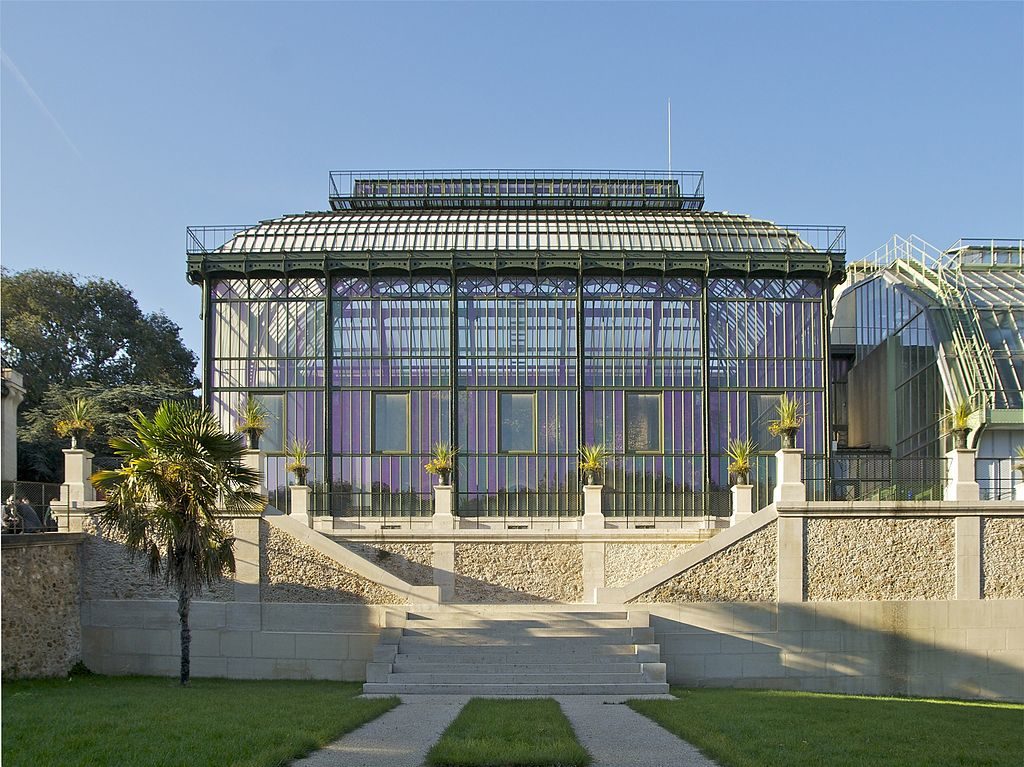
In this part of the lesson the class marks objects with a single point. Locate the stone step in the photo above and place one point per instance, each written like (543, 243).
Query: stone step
(463, 635)
(628, 665)
(633, 688)
(552, 643)
(533, 651)
(520, 678)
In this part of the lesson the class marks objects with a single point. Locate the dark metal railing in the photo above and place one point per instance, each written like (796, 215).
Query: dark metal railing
(524, 508)
(498, 188)
(643, 509)
(875, 477)
(206, 239)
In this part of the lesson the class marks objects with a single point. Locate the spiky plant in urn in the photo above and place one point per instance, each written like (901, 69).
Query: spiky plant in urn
(442, 459)
(789, 420)
(253, 421)
(75, 421)
(740, 452)
(592, 458)
(957, 420)
(1018, 464)
(297, 454)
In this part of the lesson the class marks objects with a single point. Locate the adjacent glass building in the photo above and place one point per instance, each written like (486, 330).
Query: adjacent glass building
(518, 315)
(916, 330)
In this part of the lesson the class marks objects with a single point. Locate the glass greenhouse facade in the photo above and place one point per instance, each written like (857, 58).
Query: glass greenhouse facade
(517, 316)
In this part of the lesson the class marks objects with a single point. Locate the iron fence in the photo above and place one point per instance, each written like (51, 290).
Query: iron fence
(875, 477)
(663, 509)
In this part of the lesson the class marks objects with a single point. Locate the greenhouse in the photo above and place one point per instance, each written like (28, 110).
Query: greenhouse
(518, 315)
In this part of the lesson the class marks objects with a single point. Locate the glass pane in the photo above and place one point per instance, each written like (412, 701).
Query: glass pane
(518, 422)
(391, 422)
(272, 440)
(643, 422)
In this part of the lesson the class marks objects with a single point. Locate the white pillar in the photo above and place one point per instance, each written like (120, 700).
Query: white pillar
(961, 485)
(1018, 491)
(443, 518)
(789, 486)
(13, 396)
(742, 502)
(77, 490)
(593, 516)
(253, 459)
(300, 504)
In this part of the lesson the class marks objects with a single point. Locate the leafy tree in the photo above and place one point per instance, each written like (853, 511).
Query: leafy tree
(39, 446)
(72, 336)
(60, 329)
(179, 469)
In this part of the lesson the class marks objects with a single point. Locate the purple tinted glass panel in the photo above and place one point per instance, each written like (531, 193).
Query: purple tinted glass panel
(429, 419)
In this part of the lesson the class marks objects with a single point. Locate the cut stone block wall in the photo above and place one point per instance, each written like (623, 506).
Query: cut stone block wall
(412, 562)
(237, 640)
(1002, 552)
(960, 649)
(879, 559)
(109, 571)
(291, 571)
(518, 572)
(744, 572)
(625, 562)
(42, 632)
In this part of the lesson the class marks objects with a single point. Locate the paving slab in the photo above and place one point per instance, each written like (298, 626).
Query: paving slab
(399, 738)
(617, 736)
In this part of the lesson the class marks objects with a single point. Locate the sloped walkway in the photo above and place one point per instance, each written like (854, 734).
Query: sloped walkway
(614, 734)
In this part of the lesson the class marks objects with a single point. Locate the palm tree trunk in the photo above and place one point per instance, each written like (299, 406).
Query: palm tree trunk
(184, 602)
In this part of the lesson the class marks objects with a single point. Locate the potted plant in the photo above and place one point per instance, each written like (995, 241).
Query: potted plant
(740, 451)
(253, 420)
(1018, 465)
(789, 421)
(442, 458)
(592, 462)
(297, 452)
(76, 421)
(957, 418)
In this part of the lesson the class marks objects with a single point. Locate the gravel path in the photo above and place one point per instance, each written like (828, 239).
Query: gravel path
(617, 736)
(399, 738)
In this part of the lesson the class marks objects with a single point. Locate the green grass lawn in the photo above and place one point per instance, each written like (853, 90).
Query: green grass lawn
(146, 721)
(509, 733)
(744, 728)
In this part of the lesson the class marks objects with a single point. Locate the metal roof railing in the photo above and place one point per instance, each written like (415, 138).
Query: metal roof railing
(501, 188)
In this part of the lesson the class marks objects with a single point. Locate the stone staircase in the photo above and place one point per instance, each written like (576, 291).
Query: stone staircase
(513, 650)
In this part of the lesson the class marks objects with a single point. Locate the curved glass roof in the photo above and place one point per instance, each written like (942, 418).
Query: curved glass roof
(510, 230)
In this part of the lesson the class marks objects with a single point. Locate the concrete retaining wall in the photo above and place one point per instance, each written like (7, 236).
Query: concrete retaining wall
(962, 649)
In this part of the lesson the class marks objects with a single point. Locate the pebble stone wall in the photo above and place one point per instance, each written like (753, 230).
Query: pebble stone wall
(109, 571)
(1002, 551)
(41, 620)
(291, 571)
(625, 562)
(744, 572)
(412, 562)
(880, 559)
(518, 573)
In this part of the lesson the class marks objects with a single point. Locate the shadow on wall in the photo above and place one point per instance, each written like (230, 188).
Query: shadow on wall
(940, 648)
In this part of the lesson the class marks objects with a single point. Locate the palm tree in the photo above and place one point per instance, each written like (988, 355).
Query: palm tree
(180, 469)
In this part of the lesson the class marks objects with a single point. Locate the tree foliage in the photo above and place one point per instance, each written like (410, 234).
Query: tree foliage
(39, 445)
(85, 337)
(59, 329)
(179, 469)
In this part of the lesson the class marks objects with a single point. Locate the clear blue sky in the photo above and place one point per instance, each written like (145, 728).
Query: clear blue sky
(147, 118)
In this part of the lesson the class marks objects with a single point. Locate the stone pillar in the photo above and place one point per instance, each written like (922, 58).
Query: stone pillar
(443, 518)
(444, 569)
(593, 516)
(300, 504)
(247, 558)
(77, 490)
(593, 570)
(13, 396)
(253, 459)
(1018, 491)
(791, 559)
(968, 557)
(742, 502)
(789, 486)
(961, 485)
